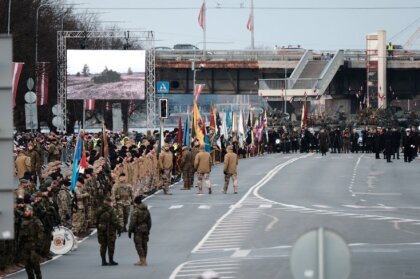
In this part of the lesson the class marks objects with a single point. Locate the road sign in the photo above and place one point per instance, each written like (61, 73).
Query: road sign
(57, 121)
(163, 87)
(320, 254)
(56, 109)
(30, 97)
(30, 83)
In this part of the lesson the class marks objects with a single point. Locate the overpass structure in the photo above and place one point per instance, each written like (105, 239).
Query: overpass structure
(339, 76)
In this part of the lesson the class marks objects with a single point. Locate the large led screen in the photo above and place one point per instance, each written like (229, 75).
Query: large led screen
(106, 74)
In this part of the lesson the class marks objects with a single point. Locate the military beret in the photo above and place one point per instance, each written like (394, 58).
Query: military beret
(81, 180)
(89, 171)
(122, 174)
(23, 180)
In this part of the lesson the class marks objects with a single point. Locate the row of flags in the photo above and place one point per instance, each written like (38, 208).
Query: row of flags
(209, 130)
(202, 18)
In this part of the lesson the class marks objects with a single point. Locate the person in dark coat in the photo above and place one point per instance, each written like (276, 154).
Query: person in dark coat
(389, 150)
(396, 142)
(324, 142)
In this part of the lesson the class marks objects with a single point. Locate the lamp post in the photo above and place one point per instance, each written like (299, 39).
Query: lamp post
(8, 18)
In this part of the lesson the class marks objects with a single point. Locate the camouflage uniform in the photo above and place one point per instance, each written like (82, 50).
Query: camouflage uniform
(30, 237)
(108, 225)
(187, 168)
(230, 169)
(64, 207)
(122, 198)
(202, 164)
(79, 214)
(140, 225)
(165, 165)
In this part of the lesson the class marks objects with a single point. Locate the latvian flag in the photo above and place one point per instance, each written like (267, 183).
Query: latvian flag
(202, 16)
(17, 69)
(90, 104)
(197, 91)
(250, 23)
(42, 85)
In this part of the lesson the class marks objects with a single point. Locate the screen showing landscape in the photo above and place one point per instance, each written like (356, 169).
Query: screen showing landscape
(106, 74)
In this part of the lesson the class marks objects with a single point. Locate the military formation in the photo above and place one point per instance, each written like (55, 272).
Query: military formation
(379, 140)
(109, 193)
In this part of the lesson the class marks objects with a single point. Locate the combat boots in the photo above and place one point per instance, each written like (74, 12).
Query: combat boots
(103, 260)
(111, 260)
(139, 262)
(143, 261)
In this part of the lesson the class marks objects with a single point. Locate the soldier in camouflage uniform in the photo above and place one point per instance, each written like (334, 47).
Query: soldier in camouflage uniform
(230, 169)
(194, 152)
(64, 204)
(122, 198)
(140, 225)
(165, 165)
(79, 214)
(186, 167)
(90, 185)
(30, 237)
(108, 227)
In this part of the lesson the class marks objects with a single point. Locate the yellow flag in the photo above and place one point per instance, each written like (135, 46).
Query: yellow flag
(196, 125)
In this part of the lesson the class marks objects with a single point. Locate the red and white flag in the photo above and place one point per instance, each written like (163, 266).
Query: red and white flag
(202, 16)
(250, 23)
(42, 84)
(83, 162)
(90, 104)
(197, 91)
(16, 71)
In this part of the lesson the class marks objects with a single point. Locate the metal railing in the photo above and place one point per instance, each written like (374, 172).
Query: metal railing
(275, 55)
(281, 84)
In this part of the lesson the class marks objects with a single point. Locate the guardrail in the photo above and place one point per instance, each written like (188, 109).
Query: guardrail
(274, 55)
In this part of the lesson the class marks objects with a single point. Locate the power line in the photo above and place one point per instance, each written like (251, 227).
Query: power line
(257, 8)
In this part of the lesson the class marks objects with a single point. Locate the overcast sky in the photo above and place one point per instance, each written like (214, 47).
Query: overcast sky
(97, 60)
(226, 25)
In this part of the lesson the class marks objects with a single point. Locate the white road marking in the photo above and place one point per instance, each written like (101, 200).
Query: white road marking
(204, 207)
(265, 205)
(321, 206)
(240, 254)
(378, 194)
(178, 206)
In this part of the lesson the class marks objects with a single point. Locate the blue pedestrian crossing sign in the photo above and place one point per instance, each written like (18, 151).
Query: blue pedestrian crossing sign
(163, 87)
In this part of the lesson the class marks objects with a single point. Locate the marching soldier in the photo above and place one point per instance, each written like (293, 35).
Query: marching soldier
(194, 153)
(230, 169)
(186, 167)
(165, 165)
(202, 164)
(30, 239)
(122, 198)
(140, 225)
(108, 227)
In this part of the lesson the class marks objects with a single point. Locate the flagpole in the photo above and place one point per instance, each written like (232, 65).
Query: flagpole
(84, 113)
(252, 29)
(204, 29)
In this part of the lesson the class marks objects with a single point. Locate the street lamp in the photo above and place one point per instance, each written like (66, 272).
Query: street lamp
(8, 18)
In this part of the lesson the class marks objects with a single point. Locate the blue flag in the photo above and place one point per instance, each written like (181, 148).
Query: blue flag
(77, 157)
(186, 139)
(207, 143)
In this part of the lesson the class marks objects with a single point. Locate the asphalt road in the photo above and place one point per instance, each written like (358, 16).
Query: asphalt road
(372, 204)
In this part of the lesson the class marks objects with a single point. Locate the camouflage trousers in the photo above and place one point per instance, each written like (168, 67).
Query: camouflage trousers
(65, 221)
(166, 178)
(123, 212)
(235, 182)
(79, 222)
(92, 216)
(192, 178)
(106, 240)
(186, 176)
(203, 176)
(32, 264)
(140, 241)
